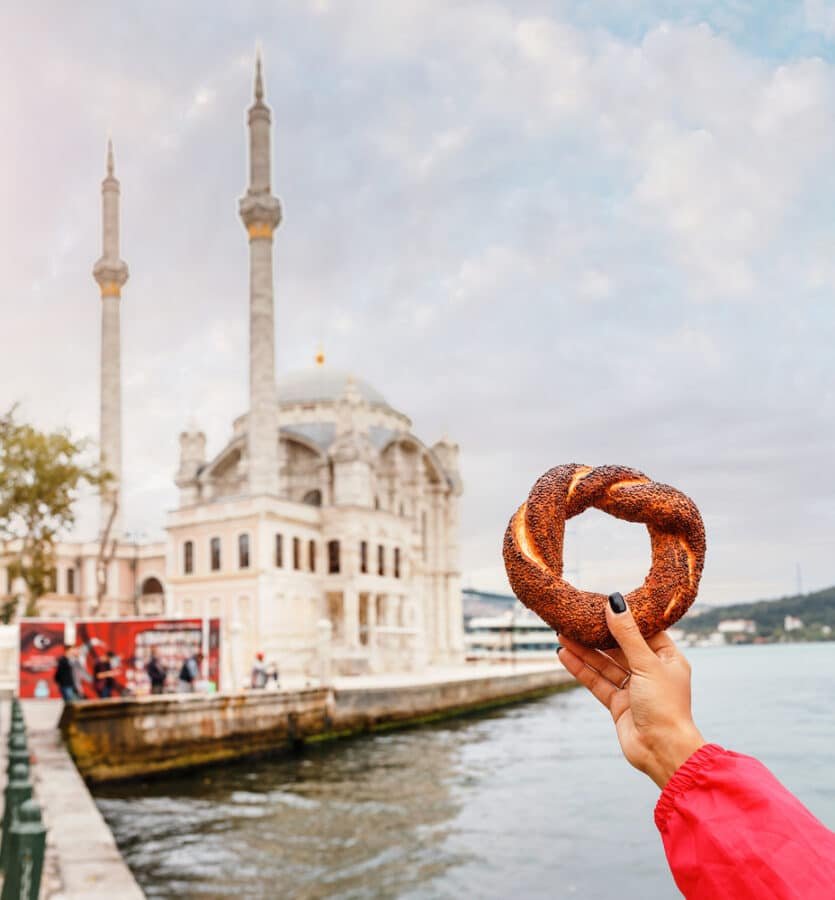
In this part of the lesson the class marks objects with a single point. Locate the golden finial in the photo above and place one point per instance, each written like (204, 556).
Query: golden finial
(320, 356)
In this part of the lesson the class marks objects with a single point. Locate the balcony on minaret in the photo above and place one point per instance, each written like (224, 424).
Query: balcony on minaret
(111, 276)
(260, 213)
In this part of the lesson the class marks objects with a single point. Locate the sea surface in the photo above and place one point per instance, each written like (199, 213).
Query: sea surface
(531, 801)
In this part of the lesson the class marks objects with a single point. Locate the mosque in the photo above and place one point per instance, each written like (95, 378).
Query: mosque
(324, 526)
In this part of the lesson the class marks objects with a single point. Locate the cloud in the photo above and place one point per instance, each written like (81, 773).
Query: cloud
(820, 16)
(601, 234)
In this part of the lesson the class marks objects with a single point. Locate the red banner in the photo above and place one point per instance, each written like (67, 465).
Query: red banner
(41, 643)
(131, 641)
(111, 655)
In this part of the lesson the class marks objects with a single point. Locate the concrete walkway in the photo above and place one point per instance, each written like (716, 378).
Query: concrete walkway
(83, 861)
(444, 675)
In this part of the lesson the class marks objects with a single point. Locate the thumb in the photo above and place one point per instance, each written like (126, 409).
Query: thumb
(625, 631)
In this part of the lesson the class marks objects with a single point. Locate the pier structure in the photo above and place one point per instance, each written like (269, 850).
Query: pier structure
(134, 738)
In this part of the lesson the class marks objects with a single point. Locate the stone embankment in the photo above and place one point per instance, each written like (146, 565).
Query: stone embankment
(82, 859)
(112, 740)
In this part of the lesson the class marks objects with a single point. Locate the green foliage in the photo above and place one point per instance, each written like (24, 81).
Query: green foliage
(40, 477)
(816, 610)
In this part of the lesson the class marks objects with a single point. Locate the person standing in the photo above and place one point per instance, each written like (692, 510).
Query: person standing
(190, 673)
(79, 672)
(260, 674)
(65, 676)
(104, 670)
(157, 673)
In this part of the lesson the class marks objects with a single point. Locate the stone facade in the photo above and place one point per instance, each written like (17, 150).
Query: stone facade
(322, 507)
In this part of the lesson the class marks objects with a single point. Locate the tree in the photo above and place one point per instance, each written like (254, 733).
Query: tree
(41, 474)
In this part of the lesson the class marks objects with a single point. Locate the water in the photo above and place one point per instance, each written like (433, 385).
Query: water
(528, 802)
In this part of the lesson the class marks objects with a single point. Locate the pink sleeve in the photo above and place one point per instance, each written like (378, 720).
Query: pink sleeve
(730, 829)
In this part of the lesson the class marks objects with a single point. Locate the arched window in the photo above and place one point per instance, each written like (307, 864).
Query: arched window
(313, 498)
(188, 557)
(297, 553)
(214, 554)
(243, 551)
(311, 555)
(381, 559)
(396, 562)
(151, 585)
(364, 556)
(333, 557)
(279, 551)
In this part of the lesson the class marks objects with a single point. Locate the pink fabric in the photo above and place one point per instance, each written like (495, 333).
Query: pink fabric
(730, 829)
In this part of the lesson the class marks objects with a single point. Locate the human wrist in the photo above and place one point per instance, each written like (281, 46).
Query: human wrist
(672, 751)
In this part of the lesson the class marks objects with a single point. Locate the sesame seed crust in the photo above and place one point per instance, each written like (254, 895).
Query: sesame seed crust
(535, 535)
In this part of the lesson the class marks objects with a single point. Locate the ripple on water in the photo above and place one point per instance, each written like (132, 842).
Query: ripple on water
(531, 801)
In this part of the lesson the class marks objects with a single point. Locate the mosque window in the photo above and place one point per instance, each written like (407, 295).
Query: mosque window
(396, 562)
(297, 553)
(311, 555)
(188, 557)
(364, 557)
(214, 554)
(381, 559)
(243, 551)
(279, 551)
(313, 498)
(70, 581)
(333, 557)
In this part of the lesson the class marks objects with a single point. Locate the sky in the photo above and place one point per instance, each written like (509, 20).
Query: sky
(595, 232)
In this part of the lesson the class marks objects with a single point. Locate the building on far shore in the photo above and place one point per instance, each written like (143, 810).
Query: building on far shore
(737, 626)
(792, 623)
(322, 505)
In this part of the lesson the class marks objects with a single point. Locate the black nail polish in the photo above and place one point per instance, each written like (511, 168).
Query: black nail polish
(617, 603)
(559, 647)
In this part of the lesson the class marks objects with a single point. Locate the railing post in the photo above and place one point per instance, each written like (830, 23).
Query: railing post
(22, 880)
(17, 791)
(16, 720)
(17, 726)
(18, 752)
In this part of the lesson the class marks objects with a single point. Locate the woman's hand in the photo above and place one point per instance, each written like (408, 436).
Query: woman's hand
(645, 685)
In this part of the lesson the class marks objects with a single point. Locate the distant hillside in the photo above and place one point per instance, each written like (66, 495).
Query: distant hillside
(815, 610)
(483, 603)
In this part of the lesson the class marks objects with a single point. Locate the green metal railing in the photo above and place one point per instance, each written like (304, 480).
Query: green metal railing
(23, 836)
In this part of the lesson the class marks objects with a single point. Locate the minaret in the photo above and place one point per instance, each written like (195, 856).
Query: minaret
(261, 213)
(111, 273)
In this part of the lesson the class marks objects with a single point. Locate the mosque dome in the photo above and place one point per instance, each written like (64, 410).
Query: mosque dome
(323, 384)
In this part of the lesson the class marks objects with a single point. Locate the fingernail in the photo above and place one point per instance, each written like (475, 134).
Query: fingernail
(559, 647)
(617, 603)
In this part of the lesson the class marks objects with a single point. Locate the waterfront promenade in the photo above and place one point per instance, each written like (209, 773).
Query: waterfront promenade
(82, 859)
